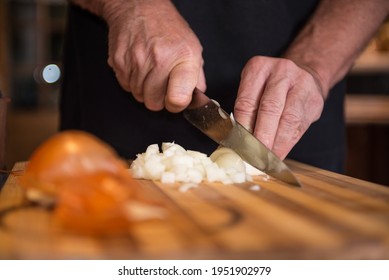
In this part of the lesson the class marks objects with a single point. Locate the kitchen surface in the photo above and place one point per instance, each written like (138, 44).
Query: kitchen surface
(332, 216)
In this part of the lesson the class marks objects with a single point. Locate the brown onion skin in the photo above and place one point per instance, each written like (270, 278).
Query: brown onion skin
(89, 182)
(72, 154)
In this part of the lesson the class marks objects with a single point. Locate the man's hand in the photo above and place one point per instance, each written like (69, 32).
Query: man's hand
(154, 53)
(280, 98)
(278, 101)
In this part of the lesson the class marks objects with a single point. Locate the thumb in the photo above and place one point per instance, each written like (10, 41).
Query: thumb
(201, 83)
(183, 79)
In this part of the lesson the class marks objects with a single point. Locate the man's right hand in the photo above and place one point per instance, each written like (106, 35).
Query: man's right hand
(154, 53)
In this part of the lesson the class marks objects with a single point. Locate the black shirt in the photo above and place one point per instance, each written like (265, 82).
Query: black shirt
(231, 32)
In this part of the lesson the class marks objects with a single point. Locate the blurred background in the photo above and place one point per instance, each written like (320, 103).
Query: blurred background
(31, 37)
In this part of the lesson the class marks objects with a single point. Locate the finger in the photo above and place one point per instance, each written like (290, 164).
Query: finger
(183, 79)
(122, 77)
(136, 78)
(117, 59)
(270, 109)
(154, 89)
(293, 123)
(201, 83)
(139, 68)
(304, 105)
(249, 93)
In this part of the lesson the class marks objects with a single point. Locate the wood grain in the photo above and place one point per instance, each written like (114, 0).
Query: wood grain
(331, 217)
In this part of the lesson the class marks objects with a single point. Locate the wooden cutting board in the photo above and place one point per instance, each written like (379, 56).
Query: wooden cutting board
(330, 217)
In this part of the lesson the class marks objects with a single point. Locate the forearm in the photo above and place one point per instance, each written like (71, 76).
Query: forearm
(334, 37)
(107, 9)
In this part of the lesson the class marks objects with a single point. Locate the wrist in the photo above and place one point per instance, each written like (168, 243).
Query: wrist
(314, 67)
(110, 10)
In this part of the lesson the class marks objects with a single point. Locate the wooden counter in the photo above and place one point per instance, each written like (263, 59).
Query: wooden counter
(330, 217)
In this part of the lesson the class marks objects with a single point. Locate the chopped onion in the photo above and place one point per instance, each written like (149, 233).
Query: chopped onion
(217, 103)
(222, 114)
(175, 164)
(187, 186)
(255, 188)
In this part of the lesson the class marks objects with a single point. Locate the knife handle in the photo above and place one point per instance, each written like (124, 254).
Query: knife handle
(199, 99)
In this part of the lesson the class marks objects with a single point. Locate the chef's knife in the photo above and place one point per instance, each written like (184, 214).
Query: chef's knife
(211, 119)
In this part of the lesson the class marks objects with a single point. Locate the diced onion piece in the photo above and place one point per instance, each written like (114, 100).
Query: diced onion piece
(238, 177)
(168, 177)
(255, 188)
(140, 211)
(230, 162)
(152, 150)
(252, 171)
(170, 149)
(175, 164)
(187, 186)
(217, 103)
(222, 114)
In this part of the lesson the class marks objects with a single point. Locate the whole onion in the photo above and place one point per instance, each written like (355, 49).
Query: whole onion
(84, 179)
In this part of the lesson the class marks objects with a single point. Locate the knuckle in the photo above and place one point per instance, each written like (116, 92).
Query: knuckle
(116, 57)
(255, 60)
(287, 63)
(254, 64)
(286, 68)
(292, 119)
(245, 105)
(116, 60)
(271, 107)
(159, 56)
(153, 105)
(187, 53)
(138, 56)
(294, 125)
(164, 53)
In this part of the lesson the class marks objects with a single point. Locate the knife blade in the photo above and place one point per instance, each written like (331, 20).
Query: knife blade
(211, 119)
